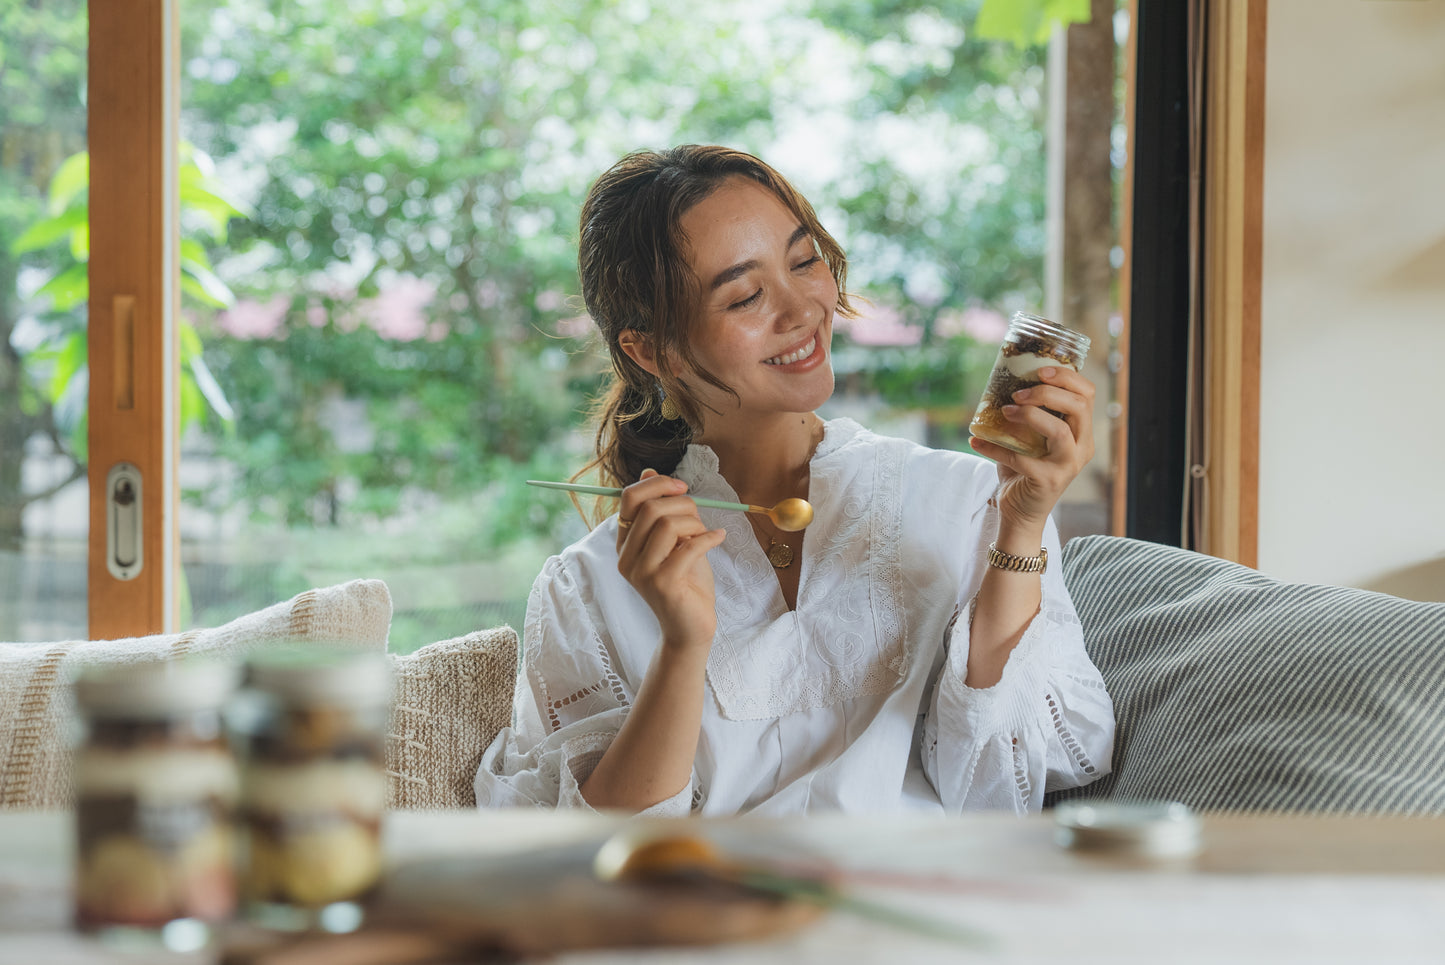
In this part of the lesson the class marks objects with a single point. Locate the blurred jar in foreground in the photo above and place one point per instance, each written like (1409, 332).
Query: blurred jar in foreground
(155, 785)
(313, 787)
(1031, 343)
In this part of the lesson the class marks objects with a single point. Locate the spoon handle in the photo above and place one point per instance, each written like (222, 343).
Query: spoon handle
(614, 491)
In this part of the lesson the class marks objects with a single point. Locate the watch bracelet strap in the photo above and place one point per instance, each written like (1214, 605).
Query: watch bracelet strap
(1017, 564)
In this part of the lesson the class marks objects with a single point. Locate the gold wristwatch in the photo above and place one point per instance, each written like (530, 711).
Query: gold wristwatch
(1017, 564)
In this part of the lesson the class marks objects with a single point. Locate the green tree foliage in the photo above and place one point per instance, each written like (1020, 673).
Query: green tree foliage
(407, 320)
(42, 121)
(971, 231)
(58, 363)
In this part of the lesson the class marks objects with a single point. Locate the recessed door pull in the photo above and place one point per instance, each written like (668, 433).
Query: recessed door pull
(124, 549)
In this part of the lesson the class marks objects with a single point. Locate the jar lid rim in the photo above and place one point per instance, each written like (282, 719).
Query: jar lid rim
(351, 679)
(1039, 326)
(155, 688)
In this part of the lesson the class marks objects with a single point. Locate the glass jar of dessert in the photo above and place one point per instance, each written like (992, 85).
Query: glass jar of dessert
(1032, 343)
(155, 786)
(313, 787)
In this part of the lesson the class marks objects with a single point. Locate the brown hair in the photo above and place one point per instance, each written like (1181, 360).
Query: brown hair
(633, 266)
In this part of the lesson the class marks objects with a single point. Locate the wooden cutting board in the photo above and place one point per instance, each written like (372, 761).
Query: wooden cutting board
(517, 906)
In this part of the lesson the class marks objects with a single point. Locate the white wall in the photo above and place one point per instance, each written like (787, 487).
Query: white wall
(1352, 426)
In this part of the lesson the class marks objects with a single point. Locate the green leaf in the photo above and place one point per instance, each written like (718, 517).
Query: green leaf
(196, 290)
(202, 195)
(1027, 23)
(193, 404)
(80, 242)
(209, 388)
(204, 285)
(67, 289)
(190, 341)
(202, 191)
(1005, 20)
(71, 178)
(194, 252)
(70, 359)
(71, 411)
(46, 232)
(1066, 12)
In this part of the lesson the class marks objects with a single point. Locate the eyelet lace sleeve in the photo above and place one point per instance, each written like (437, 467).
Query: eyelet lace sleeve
(568, 705)
(1048, 723)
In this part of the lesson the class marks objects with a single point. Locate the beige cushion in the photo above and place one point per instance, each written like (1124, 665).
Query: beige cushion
(35, 701)
(452, 697)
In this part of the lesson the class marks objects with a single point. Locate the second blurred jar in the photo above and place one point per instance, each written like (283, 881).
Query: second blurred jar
(1032, 343)
(313, 786)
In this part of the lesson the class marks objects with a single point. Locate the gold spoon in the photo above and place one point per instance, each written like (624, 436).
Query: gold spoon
(790, 515)
(638, 855)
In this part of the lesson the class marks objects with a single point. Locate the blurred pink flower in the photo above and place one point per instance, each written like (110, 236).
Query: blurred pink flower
(879, 325)
(983, 324)
(397, 312)
(249, 318)
(318, 313)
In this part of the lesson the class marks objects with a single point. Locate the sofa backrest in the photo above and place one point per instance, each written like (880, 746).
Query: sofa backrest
(35, 699)
(451, 699)
(1234, 691)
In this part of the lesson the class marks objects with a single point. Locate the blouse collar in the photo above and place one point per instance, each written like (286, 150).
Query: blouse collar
(699, 465)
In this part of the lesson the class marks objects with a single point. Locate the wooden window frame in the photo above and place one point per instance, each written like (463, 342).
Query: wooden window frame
(1232, 277)
(1204, 496)
(133, 89)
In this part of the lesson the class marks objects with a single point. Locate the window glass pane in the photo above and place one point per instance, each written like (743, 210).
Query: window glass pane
(382, 247)
(44, 239)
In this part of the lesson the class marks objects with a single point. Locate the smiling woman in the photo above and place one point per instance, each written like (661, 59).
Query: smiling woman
(688, 658)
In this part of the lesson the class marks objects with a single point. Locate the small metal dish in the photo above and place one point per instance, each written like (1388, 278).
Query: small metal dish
(1153, 829)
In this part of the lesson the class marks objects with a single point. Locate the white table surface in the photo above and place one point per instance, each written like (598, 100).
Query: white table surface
(1264, 889)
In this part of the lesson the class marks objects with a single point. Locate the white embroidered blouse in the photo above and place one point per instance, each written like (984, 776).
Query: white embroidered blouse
(853, 701)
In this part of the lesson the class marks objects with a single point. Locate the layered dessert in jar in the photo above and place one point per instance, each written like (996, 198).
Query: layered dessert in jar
(156, 788)
(314, 784)
(1032, 343)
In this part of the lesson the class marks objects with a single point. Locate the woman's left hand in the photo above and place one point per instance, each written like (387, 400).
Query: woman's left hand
(1030, 487)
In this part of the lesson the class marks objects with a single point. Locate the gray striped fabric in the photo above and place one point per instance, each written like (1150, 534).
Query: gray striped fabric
(1238, 692)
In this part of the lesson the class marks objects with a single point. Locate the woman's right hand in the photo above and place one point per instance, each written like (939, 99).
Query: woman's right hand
(662, 548)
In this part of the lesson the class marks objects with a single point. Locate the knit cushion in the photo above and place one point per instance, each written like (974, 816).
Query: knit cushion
(36, 704)
(451, 699)
(1235, 691)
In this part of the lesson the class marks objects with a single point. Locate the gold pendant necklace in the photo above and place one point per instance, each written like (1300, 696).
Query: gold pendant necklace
(779, 554)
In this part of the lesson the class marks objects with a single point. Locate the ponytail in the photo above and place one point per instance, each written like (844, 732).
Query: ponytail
(633, 436)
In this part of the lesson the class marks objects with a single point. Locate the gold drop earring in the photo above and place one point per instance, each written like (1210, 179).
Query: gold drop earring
(670, 411)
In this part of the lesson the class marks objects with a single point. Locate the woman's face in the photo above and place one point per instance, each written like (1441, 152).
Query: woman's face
(765, 315)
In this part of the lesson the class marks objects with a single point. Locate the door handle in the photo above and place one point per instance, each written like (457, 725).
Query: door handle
(124, 545)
